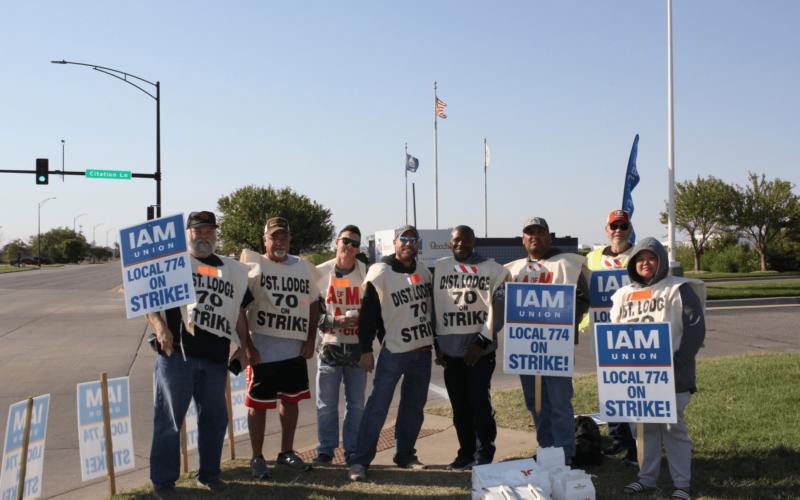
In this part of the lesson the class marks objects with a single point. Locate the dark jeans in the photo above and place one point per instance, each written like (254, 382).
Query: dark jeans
(620, 433)
(473, 415)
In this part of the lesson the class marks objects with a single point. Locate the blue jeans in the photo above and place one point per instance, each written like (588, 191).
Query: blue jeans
(329, 378)
(556, 424)
(176, 382)
(415, 368)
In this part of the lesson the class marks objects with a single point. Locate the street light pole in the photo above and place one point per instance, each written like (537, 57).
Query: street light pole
(113, 228)
(95, 227)
(157, 98)
(75, 219)
(39, 231)
(62, 162)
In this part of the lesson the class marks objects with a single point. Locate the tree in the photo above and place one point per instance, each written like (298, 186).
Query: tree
(762, 210)
(17, 250)
(700, 211)
(53, 243)
(245, 213)
(74, 249)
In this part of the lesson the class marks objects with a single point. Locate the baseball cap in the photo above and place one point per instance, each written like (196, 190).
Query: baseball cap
(201, 219)
(276, 224)
(618, 216)
(400, 230)
(536, 221)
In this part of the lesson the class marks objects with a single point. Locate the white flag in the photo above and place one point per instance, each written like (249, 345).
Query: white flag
(487, 154)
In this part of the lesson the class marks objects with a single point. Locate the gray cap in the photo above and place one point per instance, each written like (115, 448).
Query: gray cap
(400, 230)
(536, 221)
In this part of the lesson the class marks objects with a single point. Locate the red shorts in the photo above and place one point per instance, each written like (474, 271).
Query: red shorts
(286, 380)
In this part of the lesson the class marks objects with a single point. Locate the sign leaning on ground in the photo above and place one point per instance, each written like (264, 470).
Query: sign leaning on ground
(539, 329)
(108, 174)
(12, 451)
(635, 376)
(238, 392)
(91, 432)
(156, 270)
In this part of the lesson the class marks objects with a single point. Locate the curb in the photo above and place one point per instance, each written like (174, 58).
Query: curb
(770, 301)
(749, 279)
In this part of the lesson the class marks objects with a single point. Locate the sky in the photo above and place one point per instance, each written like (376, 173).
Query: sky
(323, 96)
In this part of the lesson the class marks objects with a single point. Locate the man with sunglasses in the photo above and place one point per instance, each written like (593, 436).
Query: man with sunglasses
(555, 426)
(339, 353)
(283, 326)
(397, 307)
(614, 259)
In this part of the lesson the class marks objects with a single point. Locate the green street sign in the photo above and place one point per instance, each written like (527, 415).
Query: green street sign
(108, 174)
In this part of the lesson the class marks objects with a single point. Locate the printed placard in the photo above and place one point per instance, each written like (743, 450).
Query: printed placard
(12, 451)
(635, 376)
(156, 270)
(91, 430)
(602, 287)
(539, 329)
(238, 393)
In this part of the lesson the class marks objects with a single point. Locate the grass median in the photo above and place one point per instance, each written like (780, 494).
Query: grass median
(756, 289)
(743, 422)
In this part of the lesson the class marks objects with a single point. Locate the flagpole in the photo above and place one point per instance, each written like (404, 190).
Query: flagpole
(671, 132)
(435, 164)
(485, 220)
(414, 195)
(405, 157)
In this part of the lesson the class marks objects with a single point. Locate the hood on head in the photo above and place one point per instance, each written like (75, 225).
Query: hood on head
(657, 248)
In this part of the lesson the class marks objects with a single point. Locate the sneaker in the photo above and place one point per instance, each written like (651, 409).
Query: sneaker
(167, 493)
(414, 464)
(291, 459)
(614, 450)
(323, 458)
(259, 468)
(215, 485)
(482, 461)
(462, 463)
(357, 472)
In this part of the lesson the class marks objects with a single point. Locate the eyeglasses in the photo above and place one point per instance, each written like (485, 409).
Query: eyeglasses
(352, 243)
(412, 240)
(279, 239)
(614, 227)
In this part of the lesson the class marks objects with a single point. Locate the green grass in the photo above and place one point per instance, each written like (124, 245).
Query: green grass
(12, 269)
(709, 276)
(743, 422)
(788, 288)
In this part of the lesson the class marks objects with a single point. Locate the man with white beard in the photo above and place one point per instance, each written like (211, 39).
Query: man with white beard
(193, 343)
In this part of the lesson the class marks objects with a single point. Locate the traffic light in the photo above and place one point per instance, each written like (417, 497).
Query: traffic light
(42, 171)
(151, 213)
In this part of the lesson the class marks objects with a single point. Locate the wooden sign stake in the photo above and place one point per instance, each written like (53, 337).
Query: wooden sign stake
(26, 439)
(640, 444)
(230, 417)
(112, 481)
(538, 399)
(184, 447)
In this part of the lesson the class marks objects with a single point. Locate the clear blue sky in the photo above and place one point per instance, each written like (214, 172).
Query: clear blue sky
(321, 96)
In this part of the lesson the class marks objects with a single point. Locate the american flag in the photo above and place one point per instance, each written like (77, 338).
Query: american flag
(440, 108)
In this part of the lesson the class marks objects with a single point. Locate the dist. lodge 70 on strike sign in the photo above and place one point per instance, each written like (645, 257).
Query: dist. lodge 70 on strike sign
(156, 270)
(539, 329)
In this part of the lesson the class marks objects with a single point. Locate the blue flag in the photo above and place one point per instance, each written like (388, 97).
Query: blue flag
(411, 163)
(631, 180)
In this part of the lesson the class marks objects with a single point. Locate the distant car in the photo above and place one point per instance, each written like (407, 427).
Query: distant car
(34, 261)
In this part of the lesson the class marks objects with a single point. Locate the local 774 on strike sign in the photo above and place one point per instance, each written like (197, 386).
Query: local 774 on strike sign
(156, 270)
(602, 286)
(91, 430)
(12, 451)
(539, 329)
(635, 376)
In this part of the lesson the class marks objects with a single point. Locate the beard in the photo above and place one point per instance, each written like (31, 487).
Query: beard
(201, 248)
(279, 252)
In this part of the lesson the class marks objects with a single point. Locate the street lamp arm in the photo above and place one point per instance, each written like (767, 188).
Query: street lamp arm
(94, 66)
(128, 81)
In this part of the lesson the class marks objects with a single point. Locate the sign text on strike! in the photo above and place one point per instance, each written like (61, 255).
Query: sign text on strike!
(539, 329)
(635, 376)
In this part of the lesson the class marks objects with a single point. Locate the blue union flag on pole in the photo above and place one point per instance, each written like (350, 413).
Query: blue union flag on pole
(631, 180)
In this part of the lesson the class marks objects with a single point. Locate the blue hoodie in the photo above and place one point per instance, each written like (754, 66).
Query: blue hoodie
(694, 323)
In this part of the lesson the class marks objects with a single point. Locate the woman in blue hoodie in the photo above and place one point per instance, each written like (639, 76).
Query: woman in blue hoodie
(679, 302)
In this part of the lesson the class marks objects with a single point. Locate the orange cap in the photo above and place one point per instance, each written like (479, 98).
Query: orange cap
(618, 216)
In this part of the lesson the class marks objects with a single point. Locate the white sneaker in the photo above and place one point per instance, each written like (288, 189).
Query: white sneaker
(415, 465)
(357, 472)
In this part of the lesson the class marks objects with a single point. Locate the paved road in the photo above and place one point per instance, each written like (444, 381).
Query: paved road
(63, 326)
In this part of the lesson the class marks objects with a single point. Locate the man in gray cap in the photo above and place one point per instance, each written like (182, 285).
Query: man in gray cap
(397, 307)
(555, 426)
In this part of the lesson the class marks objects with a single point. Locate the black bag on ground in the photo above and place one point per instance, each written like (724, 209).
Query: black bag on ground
(588, 449)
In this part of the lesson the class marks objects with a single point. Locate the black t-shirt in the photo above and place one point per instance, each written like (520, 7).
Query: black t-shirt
(202, 344)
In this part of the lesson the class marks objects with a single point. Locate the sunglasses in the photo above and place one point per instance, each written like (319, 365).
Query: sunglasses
(412, 240)
(614, 227)
(352, 243)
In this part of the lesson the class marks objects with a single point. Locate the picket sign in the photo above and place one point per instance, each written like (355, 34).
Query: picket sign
(539, 332)
(635, 375)
(156, 267)
(23, 453)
